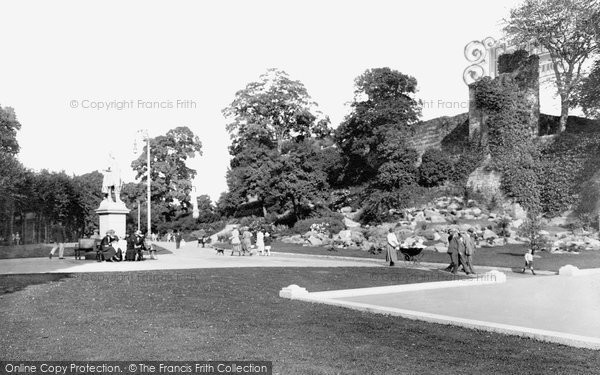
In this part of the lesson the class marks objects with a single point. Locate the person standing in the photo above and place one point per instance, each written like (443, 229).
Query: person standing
(469, 251)
(178, 237)
(268, 240)
(17, 239)
(392, 246)
(58, 235)
(247, 242)
(260, 242)
(453, 245)
(236, 244)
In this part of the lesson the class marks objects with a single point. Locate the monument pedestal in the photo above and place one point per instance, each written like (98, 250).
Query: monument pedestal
(112, 216)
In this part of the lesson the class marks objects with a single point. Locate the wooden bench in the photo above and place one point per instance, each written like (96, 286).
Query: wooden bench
(90, 246)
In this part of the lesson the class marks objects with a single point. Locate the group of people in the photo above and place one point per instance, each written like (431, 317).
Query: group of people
(461, 248)
(111, 247)
(242, 242)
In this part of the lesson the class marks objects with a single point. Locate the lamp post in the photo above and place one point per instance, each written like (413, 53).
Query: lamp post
(144, 133)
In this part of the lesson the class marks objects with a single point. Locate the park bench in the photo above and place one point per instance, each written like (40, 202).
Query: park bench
(89, 246)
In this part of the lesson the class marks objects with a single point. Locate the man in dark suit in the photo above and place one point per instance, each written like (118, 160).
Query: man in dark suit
(58, 236)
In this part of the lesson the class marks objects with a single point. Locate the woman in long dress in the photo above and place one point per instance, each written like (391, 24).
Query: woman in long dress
(392, 246)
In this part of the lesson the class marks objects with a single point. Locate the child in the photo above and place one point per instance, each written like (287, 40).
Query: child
(528, 262)
(267, 242)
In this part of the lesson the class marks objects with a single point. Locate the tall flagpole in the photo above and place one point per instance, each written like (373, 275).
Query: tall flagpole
(149, 230)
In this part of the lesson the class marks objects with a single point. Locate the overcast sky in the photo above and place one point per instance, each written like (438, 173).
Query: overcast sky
(61, 59)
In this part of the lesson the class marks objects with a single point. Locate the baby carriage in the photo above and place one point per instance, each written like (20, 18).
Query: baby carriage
(412, 254)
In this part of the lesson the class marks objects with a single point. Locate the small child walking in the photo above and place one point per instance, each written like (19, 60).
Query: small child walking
(528, 262)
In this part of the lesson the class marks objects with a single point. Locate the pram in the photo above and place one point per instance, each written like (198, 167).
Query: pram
(412, 254)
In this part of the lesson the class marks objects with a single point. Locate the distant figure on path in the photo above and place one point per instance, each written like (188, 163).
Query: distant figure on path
(17, 239)
(236, 244)
(58, 236)
(529, 261)
(453, 249)
(247, 242)
(178, 238)
(260, 242)
(392, 246)
(268, 241)
(469, 250)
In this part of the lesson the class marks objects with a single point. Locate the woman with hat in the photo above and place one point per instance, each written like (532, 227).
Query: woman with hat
(392, 247)
(107, 250)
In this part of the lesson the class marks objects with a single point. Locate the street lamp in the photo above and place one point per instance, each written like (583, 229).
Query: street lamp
(144, 133)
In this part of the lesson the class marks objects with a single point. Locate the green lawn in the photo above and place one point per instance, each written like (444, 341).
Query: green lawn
(502, 256)
(236, 314)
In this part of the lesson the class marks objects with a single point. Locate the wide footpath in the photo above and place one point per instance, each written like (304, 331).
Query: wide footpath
(549, 307)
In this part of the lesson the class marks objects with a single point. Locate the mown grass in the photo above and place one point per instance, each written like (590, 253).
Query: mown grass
(236, 314)
(510, 256)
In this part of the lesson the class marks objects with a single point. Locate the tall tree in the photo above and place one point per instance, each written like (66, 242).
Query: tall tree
(268, 118)
(12, 171)
(566, 29)
(171, 177)
(273, 110)
(384, 116)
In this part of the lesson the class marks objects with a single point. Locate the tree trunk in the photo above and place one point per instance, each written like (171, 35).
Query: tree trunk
(564, 114)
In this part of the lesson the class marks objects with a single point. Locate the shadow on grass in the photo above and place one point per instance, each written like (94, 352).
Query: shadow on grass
(520, 255)
(15, 282)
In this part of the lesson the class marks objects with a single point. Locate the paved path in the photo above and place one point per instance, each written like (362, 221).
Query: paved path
(187, 257)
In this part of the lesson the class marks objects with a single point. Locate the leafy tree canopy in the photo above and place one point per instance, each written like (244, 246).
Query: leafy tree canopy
(383, 108)
(567, 30)
(171, 177)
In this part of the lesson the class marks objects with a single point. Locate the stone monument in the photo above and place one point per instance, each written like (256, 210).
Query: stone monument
(112, 211)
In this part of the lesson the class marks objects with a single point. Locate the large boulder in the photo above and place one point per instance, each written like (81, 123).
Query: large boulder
(345, 235)
(419, 216)
(489, 234)
(349, 223)
(591, 243)
(357, 237)
(314, 241)
(296, 239)
(440, 248)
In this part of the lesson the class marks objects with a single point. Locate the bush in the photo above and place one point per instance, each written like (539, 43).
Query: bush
(521, 183)
(466, 163)
(333, 224)
(435, 168)
(530, 229)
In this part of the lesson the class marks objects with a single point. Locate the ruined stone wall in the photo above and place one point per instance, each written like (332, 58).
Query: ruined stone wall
(527, 78)
(431, 133)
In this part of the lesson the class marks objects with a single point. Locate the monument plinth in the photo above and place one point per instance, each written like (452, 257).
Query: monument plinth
(112, 216)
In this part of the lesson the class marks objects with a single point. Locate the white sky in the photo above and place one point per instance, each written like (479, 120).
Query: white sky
(57, 52)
